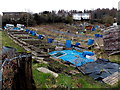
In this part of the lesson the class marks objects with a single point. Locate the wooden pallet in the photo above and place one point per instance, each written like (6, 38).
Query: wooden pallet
(112, 79)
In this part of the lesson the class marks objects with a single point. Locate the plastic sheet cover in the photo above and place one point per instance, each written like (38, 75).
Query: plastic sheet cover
(99, 69)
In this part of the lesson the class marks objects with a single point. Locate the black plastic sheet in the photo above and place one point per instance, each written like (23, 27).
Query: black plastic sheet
(100, 69)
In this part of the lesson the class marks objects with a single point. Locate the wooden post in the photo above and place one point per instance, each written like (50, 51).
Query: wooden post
(23, 79)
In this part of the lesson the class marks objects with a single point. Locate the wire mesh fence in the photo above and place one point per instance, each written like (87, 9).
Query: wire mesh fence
(16, 70)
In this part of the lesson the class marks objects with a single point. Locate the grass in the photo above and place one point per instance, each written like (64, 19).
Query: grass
(64, 80)
(115, 58)
(6, 41)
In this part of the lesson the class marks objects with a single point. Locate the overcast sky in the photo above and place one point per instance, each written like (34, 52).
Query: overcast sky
(42, 5)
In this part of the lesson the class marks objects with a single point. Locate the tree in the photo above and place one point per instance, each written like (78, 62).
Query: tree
(108, 19)
(68, 19)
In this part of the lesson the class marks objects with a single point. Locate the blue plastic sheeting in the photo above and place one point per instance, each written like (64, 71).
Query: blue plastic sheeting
(50, 40)
(4, 27)
(90, 41)
(68, 44)
(16, 28)
(40, 36)
(88, 53)
(77, 44)
(71, 56)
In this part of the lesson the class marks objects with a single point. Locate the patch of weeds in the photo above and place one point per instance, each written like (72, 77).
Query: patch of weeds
(43, 80)
(63, 81)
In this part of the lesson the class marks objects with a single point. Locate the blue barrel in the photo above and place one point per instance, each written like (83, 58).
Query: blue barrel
(27, 30)
(33, 33)
(68, 44)
(97, 26)
(93, 29)
(40, 36)
(90, 41)
(87, 53)
(50, 40)
(77, 44)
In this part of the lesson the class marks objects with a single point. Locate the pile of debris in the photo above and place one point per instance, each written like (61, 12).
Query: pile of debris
(111, 39)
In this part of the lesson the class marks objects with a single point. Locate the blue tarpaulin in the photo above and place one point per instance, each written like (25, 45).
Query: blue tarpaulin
(71, 56)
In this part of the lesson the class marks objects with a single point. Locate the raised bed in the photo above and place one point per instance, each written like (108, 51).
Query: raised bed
(38, 47)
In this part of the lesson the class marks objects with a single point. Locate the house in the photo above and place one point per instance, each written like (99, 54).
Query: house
(13, 15)
(80, 16)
